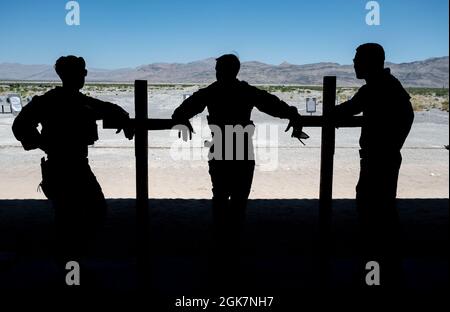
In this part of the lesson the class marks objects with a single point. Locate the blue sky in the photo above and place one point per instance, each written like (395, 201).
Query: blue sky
(115, 34)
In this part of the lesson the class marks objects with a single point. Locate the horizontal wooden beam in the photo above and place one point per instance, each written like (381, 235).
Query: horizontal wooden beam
(317, 121)
(308, 121)
(150, 124)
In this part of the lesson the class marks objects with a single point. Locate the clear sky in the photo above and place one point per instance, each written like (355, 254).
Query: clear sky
(115, 33)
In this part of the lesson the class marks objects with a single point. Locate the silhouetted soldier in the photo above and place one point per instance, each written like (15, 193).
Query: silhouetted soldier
(68, 120)
(231, 165)
(387, 119)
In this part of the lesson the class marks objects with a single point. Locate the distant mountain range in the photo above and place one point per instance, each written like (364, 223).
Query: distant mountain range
(432, 72)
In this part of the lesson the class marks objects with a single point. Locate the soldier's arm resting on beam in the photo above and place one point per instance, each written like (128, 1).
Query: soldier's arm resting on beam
(272, 105)
(352, 107)
(193, 105)
(114, 113)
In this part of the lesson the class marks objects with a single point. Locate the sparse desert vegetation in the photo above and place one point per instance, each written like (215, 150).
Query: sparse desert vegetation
(422, 98)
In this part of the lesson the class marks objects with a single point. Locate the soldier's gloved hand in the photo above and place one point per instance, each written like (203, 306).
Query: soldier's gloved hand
(128, 130)
(297, 129)
(184, 128)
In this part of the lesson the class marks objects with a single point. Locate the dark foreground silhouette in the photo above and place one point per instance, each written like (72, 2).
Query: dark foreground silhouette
(278, 256)
(68, 119)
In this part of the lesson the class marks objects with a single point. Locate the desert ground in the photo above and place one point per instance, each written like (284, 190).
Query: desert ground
(285, 168)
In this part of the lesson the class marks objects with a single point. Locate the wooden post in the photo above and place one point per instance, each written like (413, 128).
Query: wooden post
(327, 155)
(141, 154)
(326, 182)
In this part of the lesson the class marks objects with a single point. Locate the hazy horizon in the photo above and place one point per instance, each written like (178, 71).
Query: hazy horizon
(212, 57)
